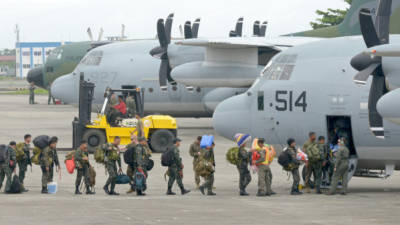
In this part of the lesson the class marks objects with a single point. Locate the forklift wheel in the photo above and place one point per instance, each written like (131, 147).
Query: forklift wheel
(94, 138)
(160, 140)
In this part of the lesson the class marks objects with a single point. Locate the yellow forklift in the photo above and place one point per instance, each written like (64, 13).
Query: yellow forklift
(160, 130)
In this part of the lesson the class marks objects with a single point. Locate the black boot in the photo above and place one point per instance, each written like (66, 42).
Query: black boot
(77, 192)
(112, 192)
(44, 190)
(105, 188)
(210, 192)
(184, 191)
(201, 188)
(243, 193)
(169, 192)
(89, 192)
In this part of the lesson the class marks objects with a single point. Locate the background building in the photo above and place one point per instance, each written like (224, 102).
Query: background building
(32, 54)
(7, 65)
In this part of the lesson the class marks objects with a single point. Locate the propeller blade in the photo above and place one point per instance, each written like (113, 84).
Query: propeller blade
(382, 20)
(378, 89)
(188, 30)
(168, 27)
(162, 37)
(123, 32)
(164, 68)
(256, 28)
(263, 30)
(89, 32)
(195, 28)
(368, 28)
(100, 34)
(362, 76)
(239, 27)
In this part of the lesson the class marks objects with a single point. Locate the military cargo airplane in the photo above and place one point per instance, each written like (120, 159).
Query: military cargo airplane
(311, 88)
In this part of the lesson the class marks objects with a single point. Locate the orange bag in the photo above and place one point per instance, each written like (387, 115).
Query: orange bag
(70, 164)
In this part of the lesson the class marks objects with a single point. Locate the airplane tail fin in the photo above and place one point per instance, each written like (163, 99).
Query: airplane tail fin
(350, 25)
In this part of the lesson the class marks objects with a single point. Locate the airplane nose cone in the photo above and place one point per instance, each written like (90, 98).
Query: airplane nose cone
(232, 116)
(64, 88)
(36, 76)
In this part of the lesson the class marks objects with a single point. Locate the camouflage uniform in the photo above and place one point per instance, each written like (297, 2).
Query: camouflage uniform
(23, 164)
(6, 170)
(306, 145)
(129, 170)
(194, 152)
(174, 170)
(208, 155)
(131, 106)
(48, 158)
(82, 167)
(141, 156)
(32, 94)
(315, 168)
(295, 171)
(244, 173)
(264, 179)
(112, 151)
(342, 170)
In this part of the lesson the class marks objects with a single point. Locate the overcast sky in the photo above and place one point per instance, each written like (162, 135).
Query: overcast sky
(67, 20)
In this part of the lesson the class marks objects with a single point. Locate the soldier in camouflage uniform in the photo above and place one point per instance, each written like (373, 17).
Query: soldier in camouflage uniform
(341, 169)
(8, 167)
(32, 93)
(142, 157)
(264, 171)
(82, 165)
(295, 171)
(175, 170)
(111, 158)
(243, 162)
(131, 106)
(48, 159)
(195, 152)
(208, 155)
(311, 141)
(130, 169)
(25, 161)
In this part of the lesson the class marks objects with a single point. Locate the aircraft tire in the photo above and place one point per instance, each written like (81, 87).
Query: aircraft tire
(160, 140)
(94, 138)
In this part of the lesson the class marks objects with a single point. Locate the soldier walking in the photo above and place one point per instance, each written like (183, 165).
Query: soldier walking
(264, 171)
(112, 157)
(243, 162)
(208, 155)
(82, 164)
(32, 93)
(306, 146)
(341, 168)
(7, 163)
(48, 159)
(176, 170)
(131, 167)
(142, 157)
(25, 160)
(195, 152)
(291, 149)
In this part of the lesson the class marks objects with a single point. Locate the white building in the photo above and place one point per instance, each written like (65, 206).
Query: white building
(30, 55)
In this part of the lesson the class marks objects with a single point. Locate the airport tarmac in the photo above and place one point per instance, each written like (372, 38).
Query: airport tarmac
(370, 201)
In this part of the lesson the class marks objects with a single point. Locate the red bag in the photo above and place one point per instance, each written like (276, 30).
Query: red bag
(255, 156)
(70, 164)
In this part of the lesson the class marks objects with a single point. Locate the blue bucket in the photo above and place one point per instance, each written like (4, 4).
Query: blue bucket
(52, 187)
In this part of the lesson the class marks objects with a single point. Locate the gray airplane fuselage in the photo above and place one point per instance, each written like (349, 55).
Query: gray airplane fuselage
(291, 104)
(129, 63)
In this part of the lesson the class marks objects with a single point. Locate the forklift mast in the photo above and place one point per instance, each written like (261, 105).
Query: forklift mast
(86, 93)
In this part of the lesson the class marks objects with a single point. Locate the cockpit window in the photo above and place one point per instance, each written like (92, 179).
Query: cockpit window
(281, 67)
(93, 58)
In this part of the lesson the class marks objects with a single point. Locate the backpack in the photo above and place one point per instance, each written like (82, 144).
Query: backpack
(92, 176)
(3, 154)
(313, 153)
(167, 158)
(129, 156)
(285, 160)
(99, 155)
(19, 152)
(140, 180)
(15, 185)
(232, 156)
(36, 155)
(41, 141)
(203, 168)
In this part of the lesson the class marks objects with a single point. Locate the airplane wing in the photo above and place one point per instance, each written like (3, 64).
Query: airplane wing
(231, 62)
